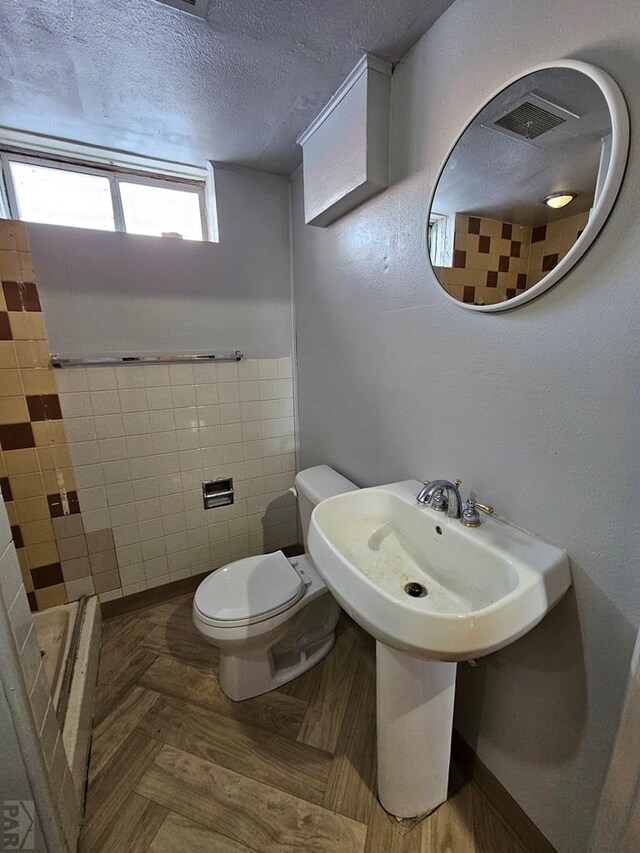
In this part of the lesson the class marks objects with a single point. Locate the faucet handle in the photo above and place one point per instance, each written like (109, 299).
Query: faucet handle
(457, 483)
(471, 517)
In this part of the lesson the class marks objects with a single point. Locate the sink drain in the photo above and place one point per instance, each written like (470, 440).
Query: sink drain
(416, 590)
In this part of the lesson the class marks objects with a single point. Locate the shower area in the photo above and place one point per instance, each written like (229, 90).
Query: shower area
(69, 642)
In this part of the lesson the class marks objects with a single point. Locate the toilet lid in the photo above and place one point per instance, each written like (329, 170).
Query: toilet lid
(249, 590)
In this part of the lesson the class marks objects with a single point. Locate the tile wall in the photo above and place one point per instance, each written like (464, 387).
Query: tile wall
(143, 439)
(14, 607)
(494, 260)
(36, 476)
(101, 468)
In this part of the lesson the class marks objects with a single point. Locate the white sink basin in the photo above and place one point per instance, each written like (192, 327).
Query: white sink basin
(485, 586)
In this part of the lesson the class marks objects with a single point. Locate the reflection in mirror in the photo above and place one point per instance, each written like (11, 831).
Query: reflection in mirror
(498, 224)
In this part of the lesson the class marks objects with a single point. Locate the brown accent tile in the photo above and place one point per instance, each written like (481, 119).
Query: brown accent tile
(21, 296)
(503, 263)
(16, 535)
(510, 292)
(56, 507)
(100, 540)
(105, 561)
(42, 554)
(67, 526)
(5, 327)
(75, 546)
(33, 604)
(16, 436)
(474, 225)
(549, 262)
(522, 280)
(507, 230)
(106, 581)
(469, 294)
(5, 488)
(484, 244)
(516, 247)
(538, 234)
(76, 568)
(47, 576)
(492, 278)
(44, 407)
(459, 258)
(74, 503)
(51, 596)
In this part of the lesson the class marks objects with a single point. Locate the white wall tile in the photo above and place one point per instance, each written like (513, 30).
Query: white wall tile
(101, 378)
(136, 423)
(206, 395)
(95, 519)
(116, 472)
(156, 374)
(108, 426)
(183, 395)
(159, 398)
(130, 376)
(93, 498)
(112, 449)
(133, 400)
(69, 380)
(181, 374)
(105, 402)
(163, 429)
(76, 404)
(187, 418)
(80, 429)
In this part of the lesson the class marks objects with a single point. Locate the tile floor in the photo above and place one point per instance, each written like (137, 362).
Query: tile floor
(177, 766)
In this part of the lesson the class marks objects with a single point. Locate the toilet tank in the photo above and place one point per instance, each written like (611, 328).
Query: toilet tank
(314, 485)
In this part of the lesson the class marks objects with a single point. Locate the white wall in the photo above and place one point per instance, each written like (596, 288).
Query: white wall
(106, 293)
(535, 409)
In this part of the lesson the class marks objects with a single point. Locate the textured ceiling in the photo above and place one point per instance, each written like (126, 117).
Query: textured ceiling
(238, 87)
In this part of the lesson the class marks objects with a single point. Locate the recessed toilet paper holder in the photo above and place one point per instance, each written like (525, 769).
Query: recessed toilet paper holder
(217, 493)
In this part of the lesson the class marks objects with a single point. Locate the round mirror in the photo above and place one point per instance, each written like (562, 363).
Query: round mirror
(527, 185)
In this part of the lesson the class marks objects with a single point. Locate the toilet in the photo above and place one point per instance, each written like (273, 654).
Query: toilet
(271, 617)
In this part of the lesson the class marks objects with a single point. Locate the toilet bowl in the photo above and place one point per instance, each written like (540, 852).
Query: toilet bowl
(271, 617)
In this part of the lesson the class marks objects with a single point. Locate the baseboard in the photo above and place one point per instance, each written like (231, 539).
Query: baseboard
(167, 591)
(516, 819)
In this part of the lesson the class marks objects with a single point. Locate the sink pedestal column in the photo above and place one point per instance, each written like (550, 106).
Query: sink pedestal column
(414, 720)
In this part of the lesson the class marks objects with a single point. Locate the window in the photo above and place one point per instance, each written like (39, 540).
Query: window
(55, 191)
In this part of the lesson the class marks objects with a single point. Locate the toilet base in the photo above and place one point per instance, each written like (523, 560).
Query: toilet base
(259, 670)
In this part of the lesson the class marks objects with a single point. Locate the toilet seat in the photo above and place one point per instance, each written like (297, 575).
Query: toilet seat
(248, 591)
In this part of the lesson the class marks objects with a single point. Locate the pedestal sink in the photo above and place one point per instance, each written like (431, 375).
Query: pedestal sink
(432, 592)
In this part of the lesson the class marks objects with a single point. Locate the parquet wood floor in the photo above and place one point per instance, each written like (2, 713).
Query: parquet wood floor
(176, 766)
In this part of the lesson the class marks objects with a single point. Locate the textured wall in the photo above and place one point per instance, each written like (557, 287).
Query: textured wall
(536, 408)
(121, 293)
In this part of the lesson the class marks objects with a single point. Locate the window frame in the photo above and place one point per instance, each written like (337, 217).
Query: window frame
(115, 175)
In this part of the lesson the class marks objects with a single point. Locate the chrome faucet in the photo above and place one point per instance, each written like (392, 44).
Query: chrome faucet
(443, 496)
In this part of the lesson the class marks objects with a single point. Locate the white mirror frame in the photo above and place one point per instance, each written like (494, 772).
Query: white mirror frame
(613, 181)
